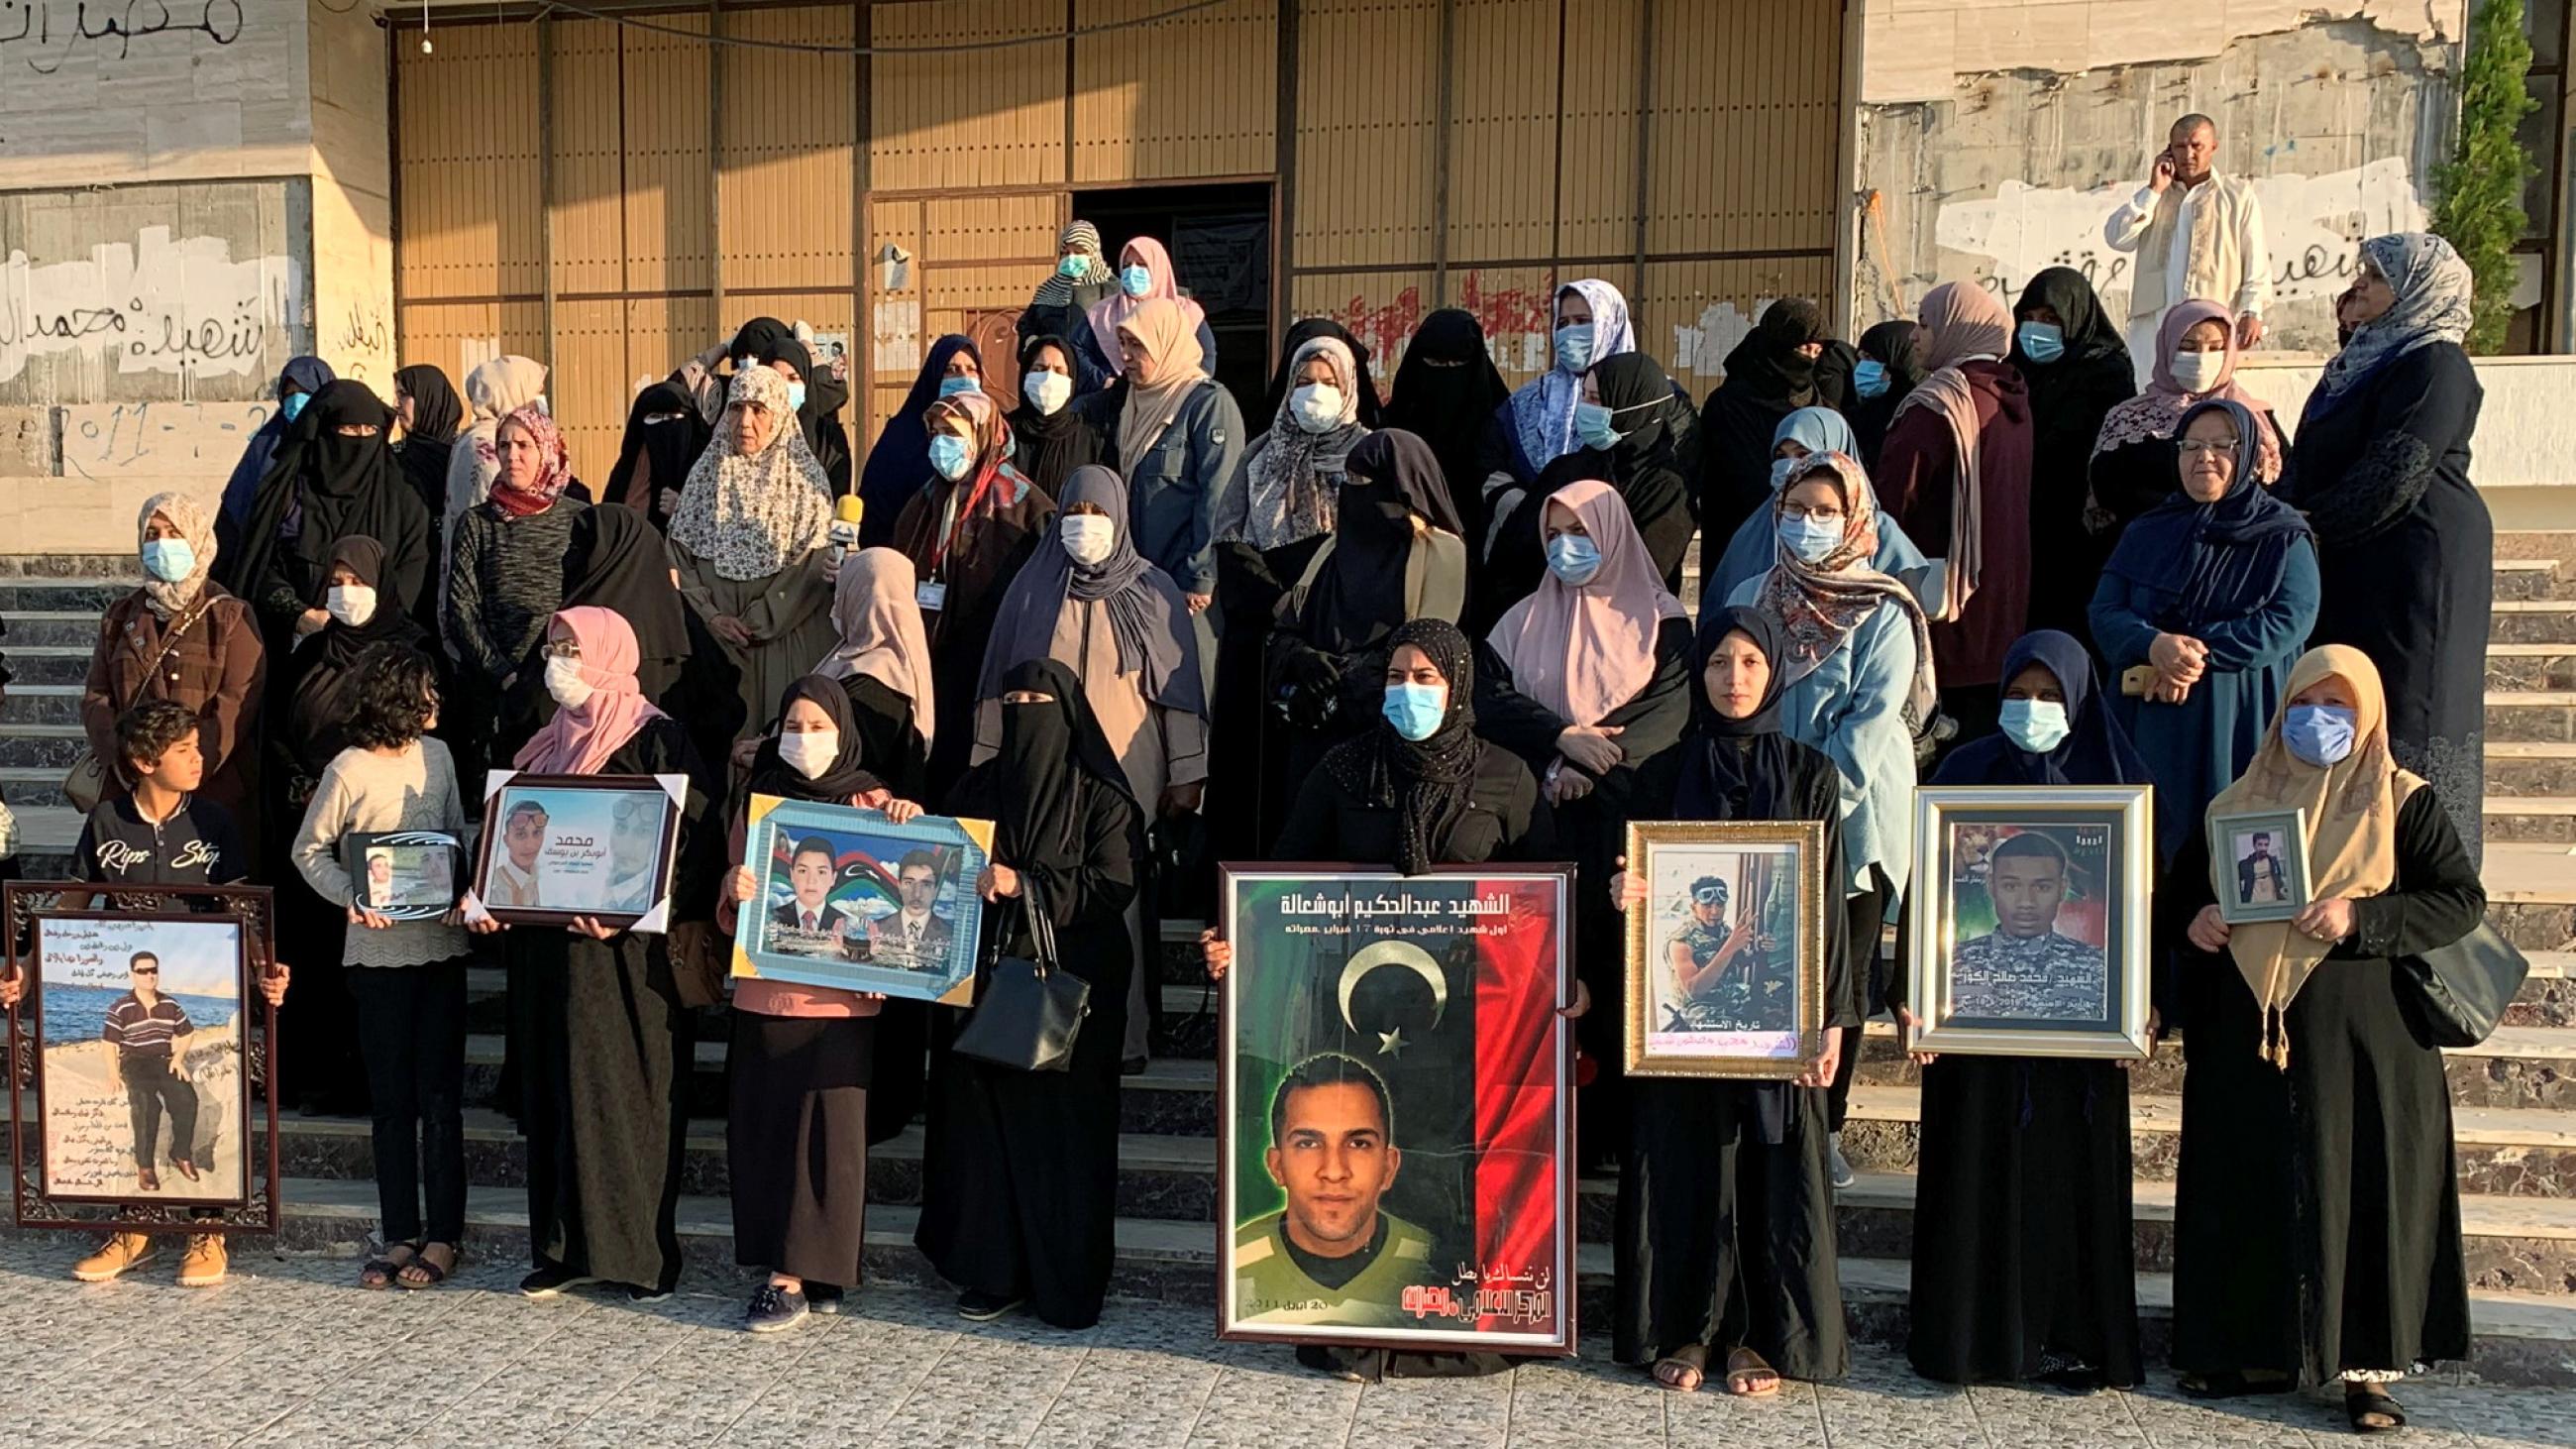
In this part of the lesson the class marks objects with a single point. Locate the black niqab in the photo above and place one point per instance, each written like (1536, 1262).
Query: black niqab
(1307, 329)
(847, 775)
(1051, 753)
(1447, 391)
(1767, 379)
(437, 415)
(668, 448)
(616, 561)
(1390, 478)
(323, 487)
(1429, 783)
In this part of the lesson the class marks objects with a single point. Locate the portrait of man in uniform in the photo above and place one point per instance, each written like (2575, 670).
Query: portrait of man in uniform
(1332, 1255)
(2025, 967)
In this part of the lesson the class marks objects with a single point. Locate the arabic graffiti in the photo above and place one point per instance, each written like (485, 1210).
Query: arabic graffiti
(45, 33)
(156, 305)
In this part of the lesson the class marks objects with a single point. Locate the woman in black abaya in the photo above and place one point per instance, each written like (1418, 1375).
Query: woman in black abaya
(1725, 1236)
(2024, 1260)
(335, 476)
(2070, 352)
(431, 415)
(1020, 1173)
(1889, 368)
(1446, 393)
(1769, 375)
(665, 433)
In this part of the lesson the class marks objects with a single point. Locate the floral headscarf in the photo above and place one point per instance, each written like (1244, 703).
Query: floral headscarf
(751, 515)
(1819, 604)
(554, 469)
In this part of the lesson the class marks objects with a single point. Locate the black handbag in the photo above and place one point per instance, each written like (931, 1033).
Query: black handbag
(1031, 1010)
(2454, 995)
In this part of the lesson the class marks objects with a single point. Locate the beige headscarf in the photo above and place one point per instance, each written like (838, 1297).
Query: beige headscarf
(1963, 321)
(873, 606)
(167, 601)
(751, 515)
(2352, 830)
(1172, 368)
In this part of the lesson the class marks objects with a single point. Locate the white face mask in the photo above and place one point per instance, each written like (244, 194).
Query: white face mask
(1088, 537)
(1317, 406)
(811, 753)
(351, 604)
(564, 682)
(1047, 391)
(2197, 372)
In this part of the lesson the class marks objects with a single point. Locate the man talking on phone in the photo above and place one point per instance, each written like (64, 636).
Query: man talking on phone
(2196, 234)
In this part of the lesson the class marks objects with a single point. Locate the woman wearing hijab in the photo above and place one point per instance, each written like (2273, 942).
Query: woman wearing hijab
(1061, 306)
(664, 436)
(1956, 473)
(505, 577)
(1446, 393)
(1857, 684)
(596, 1017)
(431, 416)
(1050, 436)
(1725, 1236)
(748, 541)
(302, 378)
(1145, 276)
(1633, 433)
(493, 390)
(967, 534)
(1178, 439)
(1536, 425)
(2024, 1247)
(2077, 369)
(1360, 385)
(2135, 463)
(816, 397)
(1093, 604)
(882, 660)
(799, 1063)
(181, 636)
(1801, 434)
(1394, 556)
(1019, 1192)
(899, 462)
(2214, 591)
(334, 477)
(2317, 1216)
(2404, 543)
(1888, 369)
(1769, 375)
(1603, 650)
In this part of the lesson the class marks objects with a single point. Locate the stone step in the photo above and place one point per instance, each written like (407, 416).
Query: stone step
(28, 787)
(2530, 578)
(46, 830)
(2533, 621)
(2544, 715)
(2530, 767)
(40, 704)
(2531, 819)
(63, 628)
(2520, 1338)
(46, 663)
(63, 595)
(34, 747)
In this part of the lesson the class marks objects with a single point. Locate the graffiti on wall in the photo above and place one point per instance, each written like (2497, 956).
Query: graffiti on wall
(153, 305)
(44, 34)
(2312, 224)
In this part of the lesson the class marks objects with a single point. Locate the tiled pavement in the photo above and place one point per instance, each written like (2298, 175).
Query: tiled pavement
(289, 1353)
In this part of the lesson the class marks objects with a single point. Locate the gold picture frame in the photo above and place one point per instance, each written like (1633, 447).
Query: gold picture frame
(1762, 1019)
(2037, 950)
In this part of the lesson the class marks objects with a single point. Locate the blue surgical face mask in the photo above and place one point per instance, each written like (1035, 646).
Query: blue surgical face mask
(948, 454)
(951, 386)
(1137, 280)
(1574, 347)
(1809, 538)
(1592, 425)
(293, 403)
(2320, 734)
(1074, 268)
(1780, 472)
(2042, 341)
(2035, 725)
(1416, 709)
(1869, 377)
(1573, 558)
(169, 559)
(796, 397)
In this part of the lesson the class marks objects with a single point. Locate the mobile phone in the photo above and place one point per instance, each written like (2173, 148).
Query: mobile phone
(2137, 679)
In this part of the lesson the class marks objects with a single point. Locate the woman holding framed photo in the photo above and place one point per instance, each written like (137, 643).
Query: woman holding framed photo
(2317, 1223)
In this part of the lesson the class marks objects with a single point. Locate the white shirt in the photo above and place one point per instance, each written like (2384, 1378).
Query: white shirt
(2129, 223)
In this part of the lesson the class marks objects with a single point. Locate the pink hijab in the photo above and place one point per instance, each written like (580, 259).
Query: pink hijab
(578, 741)
(1963, 322)
(1109, 312)
(1585, 649)
(2155, 412)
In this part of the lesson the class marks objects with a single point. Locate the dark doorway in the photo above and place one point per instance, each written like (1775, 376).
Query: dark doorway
(1219, 237)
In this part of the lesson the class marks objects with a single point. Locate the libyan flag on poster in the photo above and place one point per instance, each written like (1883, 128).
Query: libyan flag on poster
(1396, 1145)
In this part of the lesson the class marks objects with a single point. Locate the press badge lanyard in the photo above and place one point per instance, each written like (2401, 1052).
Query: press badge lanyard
(932, 594)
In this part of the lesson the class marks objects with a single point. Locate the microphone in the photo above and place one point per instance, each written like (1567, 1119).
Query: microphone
(846, 512)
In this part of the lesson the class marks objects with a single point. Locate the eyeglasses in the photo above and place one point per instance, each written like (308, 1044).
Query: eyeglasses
(1800, 510)
(2202, 447)
(561, 649)
(147, 970)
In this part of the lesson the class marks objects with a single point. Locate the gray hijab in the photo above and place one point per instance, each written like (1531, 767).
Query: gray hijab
(2434, 294)
(1150, 619)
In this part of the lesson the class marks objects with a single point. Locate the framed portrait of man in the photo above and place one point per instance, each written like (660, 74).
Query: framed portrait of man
(557, 848)
(1396, 1109)
(2029, 934)
(142, 1052)
(849, 899)
(404, 875)
(1726, 953)
(2265, 872)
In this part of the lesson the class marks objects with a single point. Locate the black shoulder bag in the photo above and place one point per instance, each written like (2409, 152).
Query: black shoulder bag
(1031, 1010)
(2454, 995)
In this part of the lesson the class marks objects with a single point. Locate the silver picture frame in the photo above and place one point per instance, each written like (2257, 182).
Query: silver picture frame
(2242, 882)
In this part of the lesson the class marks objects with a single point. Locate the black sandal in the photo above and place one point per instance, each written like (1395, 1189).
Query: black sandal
(2362, 1401)
(2231, 1384)
(381, 1273)
(420, 1260)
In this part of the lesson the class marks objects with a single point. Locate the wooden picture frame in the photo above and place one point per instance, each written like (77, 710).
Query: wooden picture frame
(1750, 1005)
(2035, 949)
(557, 848)
(2270, 885)
(82, 1089)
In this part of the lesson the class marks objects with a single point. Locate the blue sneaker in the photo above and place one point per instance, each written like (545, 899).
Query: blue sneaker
(774, 1309)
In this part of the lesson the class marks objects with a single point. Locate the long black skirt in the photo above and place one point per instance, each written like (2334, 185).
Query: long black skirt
(2024, 1262)
(796, 1140)
(1723, 1240)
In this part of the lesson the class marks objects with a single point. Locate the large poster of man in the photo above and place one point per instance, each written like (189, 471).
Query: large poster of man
(1396, 1163)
